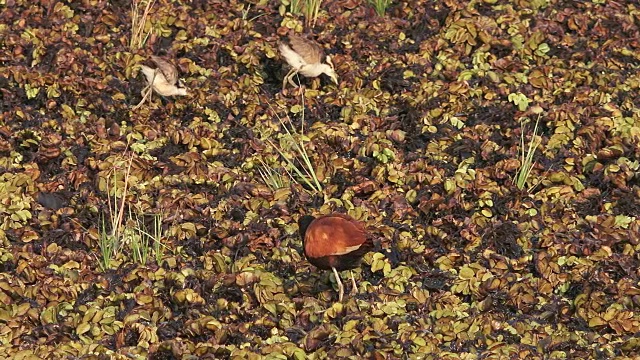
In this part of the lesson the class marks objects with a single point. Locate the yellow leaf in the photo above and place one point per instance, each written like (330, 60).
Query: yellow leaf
(596, 321)
(466, 273)
(83, 328)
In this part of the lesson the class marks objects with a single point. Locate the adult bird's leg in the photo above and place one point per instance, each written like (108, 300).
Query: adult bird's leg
(354, 290)
(340, 286)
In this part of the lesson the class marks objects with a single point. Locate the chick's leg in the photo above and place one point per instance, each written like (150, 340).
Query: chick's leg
(287, 78)
(294, 72)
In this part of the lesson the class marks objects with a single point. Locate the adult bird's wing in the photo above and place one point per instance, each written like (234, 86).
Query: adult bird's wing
(336, 234)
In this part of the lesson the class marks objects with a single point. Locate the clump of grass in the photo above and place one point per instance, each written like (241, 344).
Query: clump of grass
(272, 176)
(304, 172)
(145, 240)
(526, 156)
(109, 242)
(380, 6)
(292, 6)
(132, 233)
(158, 235)
(140, 10)
(108, 245)
(298, 167)
(311, 11)
(295, 6)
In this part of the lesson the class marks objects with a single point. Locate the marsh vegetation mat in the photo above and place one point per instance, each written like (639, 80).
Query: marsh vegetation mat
(489, 147)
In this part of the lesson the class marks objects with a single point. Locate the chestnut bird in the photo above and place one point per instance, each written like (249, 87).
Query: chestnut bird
(334, 242)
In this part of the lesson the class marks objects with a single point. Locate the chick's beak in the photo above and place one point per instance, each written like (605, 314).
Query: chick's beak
(334, 78)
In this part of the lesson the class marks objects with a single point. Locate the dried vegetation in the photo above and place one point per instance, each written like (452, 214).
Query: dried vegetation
(421, 140)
